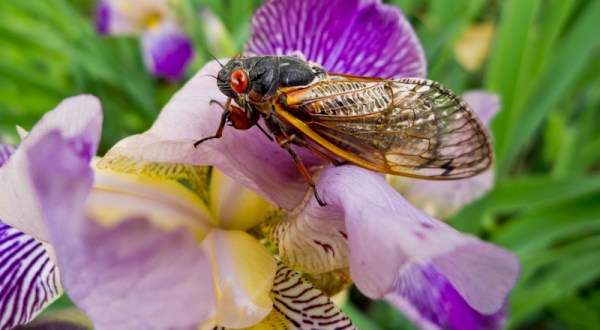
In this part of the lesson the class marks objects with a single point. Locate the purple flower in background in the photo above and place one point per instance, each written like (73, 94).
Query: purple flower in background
(437, 276)
(442, 199)
(166, 48)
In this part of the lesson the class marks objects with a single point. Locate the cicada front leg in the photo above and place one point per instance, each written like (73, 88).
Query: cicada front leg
(232, 114)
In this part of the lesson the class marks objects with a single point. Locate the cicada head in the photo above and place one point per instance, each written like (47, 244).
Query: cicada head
(232, 79)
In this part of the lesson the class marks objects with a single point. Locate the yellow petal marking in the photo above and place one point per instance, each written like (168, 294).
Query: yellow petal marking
(235, 206)
(166, 203)
(243, 272)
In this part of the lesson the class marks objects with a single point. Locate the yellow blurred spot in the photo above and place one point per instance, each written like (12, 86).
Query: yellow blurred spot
(473, 46)
(152, 21)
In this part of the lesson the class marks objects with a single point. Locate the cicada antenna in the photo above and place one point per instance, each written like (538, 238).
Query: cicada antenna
(213, 56)
(209, 75)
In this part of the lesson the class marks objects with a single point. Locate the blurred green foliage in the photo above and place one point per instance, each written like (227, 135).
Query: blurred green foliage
(544, 63)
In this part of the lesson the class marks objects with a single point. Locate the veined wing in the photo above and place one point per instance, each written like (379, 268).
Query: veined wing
(411, 127)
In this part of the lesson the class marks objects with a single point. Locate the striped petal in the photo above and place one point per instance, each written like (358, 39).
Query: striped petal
(29, 280)
(298, 305)
(359, 37)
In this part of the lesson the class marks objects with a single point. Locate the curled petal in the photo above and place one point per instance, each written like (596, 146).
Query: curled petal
(246, 156)
(157, 279)
(481, 273)
(243, 277)
(78, 117)
(312, 240)
(167, 51)
(356, 37)
(29, 280)
(426, 296)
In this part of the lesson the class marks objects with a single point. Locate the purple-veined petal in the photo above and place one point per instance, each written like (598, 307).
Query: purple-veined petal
(427, 297)
(442, 199)
(247, 156)
(130, 276)
(167, 50)
(311, 239)
(6, 150)
(79, 116)
(386, 235)
(29, 280)
(359, 37)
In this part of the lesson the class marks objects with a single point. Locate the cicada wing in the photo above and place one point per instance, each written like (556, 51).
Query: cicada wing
(412, 127)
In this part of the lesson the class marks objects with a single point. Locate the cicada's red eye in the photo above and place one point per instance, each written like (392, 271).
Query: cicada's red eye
(239, 81)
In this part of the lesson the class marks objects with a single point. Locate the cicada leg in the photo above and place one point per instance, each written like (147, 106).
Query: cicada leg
(285, 142)
(236, 116)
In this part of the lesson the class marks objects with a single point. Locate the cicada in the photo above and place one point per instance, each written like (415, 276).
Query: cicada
(409, 126)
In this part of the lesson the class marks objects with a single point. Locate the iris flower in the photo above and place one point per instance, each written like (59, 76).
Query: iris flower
(148, 246)
(166, 48)
(437, 276)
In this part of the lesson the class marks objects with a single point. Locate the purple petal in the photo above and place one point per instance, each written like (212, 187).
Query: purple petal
(6, 150)
(157, 280)
(247, 156)
(79, 117)
(103, 16)
(430, 300)
(29, 280)
(356, 37)
(480, 272)
(485, 104)
(167, 51)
